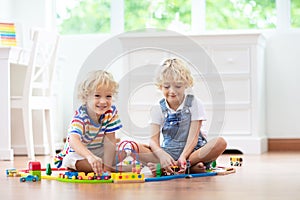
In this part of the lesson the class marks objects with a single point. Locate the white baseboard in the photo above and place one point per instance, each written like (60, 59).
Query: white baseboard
(248, 145)
(6, 154)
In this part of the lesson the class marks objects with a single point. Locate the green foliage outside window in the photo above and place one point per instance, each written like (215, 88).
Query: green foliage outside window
(295, 13)
(161, 14)
(240, 14)
(93, 16)
(86, 16)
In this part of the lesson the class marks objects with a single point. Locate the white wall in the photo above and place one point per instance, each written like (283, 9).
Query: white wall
(283, 85)
(27, 14)
(5, 10)
(73, 51)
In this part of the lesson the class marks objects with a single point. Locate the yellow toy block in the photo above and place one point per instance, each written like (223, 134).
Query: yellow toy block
(128, 177)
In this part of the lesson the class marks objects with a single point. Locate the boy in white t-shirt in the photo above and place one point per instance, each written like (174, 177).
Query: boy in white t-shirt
(178, 117)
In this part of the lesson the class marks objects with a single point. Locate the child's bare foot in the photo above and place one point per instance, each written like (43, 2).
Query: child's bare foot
(198, 168)
(153, 168)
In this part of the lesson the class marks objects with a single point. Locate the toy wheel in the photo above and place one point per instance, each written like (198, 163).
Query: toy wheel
(23, 180)
(34, 180)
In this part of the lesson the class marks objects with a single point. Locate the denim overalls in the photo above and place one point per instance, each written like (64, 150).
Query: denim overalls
(176, 128)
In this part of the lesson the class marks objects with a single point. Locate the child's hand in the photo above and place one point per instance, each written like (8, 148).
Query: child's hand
(96, 163)
(181, 162)
(167, 162)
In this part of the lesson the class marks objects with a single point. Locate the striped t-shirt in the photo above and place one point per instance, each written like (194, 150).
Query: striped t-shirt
(92, 134)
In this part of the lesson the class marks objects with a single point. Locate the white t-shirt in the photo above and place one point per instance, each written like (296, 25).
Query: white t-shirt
(197, 113)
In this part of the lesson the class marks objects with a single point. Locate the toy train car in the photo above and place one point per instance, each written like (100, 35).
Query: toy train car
(83, 176)
(128, 177)
(236, 161)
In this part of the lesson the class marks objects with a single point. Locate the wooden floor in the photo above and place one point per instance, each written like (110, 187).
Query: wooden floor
(266, 176)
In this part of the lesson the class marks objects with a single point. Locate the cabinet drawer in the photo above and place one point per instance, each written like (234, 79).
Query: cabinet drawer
(236, 89)
(147, 57)
(231, 59)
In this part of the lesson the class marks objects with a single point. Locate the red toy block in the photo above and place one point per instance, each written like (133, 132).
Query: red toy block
(34, 166)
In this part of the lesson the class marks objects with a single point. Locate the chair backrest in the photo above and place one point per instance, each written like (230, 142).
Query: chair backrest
(39, 79)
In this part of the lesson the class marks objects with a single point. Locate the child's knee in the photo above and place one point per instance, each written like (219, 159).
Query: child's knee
(221, 143)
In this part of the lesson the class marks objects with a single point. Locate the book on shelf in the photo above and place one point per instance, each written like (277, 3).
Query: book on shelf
(7, 34)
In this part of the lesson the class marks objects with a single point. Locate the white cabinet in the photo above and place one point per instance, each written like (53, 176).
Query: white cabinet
(234, 61)
(239, 59)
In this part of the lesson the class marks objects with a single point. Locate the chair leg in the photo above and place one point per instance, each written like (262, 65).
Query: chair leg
(49, 130)
(28, 132)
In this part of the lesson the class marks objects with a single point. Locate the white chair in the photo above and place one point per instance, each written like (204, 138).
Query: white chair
(38, 88)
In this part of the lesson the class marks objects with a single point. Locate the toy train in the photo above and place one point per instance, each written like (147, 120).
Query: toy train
(236, 161)
(83, 176)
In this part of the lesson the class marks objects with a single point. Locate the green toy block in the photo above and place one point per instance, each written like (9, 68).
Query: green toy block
(37, 173)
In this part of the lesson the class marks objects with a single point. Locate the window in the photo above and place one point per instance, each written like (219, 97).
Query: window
(240, 14)
(94, 16)
(83, 16)
(295, 13)
(161, 14)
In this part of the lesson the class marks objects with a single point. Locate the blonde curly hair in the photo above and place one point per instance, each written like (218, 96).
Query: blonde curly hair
(177, 70)
(96, 79)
